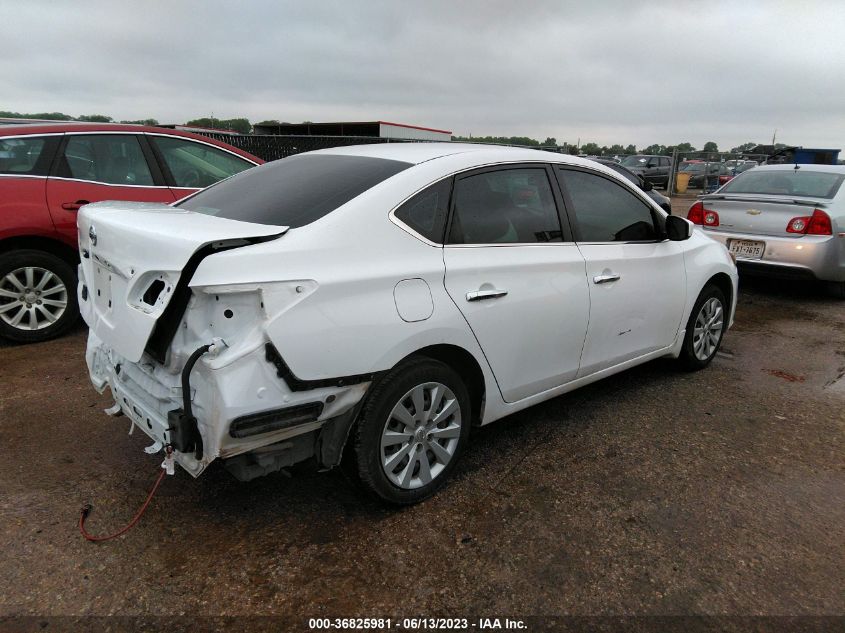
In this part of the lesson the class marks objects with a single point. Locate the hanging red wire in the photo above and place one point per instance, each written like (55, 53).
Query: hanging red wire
(86, 510)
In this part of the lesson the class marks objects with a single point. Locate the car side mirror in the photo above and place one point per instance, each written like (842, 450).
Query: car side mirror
(678, 229)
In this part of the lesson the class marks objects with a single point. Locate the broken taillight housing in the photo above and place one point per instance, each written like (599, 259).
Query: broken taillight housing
(816, 224)
(698, 214)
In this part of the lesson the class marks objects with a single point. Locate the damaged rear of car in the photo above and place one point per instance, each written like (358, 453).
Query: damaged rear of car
(187, 347)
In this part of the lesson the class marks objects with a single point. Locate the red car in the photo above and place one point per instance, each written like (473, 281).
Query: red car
(48, 171)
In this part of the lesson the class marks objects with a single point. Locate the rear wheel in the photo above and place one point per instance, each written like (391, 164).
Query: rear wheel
(37, 296)
(411, 431)
(705, 329)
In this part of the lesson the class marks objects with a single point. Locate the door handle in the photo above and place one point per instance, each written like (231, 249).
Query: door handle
(74, 206)
(606, 278)
(481, 295)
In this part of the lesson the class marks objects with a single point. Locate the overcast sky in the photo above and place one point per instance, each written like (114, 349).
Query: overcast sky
(604, 71)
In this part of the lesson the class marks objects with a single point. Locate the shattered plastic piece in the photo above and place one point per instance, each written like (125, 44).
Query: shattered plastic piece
(153, 448)
(114, 410)
(131, 427)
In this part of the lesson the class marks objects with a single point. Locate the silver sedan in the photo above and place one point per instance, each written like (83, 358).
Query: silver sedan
(781, 220)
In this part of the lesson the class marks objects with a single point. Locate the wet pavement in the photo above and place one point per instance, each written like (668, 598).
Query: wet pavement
(652, 492)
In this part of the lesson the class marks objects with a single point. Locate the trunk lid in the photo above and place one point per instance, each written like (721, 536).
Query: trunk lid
(136, 257)
(755, 214)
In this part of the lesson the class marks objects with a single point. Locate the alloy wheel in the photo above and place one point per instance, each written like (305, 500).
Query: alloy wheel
(708, 329)
(421, 435)
(32, 298)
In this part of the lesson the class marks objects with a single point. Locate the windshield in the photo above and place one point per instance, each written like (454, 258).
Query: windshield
(792, 182)
(293, 191)
(635, 161)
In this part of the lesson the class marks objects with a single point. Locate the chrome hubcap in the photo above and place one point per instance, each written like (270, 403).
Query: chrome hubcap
(421, 435)
(32, 298)
(708, 329)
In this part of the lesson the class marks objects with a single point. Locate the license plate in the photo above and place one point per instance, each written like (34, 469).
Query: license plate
(747, 249)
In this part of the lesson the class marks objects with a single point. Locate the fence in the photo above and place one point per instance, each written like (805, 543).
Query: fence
(273, 147)
(709, 170)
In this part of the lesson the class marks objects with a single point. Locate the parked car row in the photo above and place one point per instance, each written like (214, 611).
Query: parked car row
(47, 172)
(653, 169)
(664, 202)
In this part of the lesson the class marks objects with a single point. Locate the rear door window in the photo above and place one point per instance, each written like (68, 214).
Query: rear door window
(605, 211)
(293, 191)
(514, 206)
(196, 165)
(115, 159)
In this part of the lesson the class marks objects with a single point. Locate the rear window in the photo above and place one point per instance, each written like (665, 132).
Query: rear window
(293, 191)
(793, 182)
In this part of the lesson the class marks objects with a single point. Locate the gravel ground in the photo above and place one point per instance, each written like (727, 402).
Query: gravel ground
(720, 492)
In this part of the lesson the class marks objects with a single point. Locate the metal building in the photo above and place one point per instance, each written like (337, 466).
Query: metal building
(376, 129)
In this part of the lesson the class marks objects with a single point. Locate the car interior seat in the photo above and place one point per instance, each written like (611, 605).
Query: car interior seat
(484, 213)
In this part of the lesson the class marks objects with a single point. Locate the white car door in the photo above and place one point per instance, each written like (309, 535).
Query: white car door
(517, 277)
(636, 278)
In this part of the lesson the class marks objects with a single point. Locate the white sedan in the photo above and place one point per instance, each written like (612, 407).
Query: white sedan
(374, 302)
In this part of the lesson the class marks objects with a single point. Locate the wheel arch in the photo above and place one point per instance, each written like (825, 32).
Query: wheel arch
(466, 365)
(723, 282)
(333, 439)
(39, 243)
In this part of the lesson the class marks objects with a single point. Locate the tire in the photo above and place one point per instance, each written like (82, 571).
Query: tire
(428, 451)
(37, 296)
(700, 348)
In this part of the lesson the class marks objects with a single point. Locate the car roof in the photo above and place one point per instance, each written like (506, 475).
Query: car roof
(76, 126)
(61, 127)
(420, 152)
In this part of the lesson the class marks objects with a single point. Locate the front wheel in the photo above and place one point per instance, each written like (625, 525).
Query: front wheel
(37, 296)
(705, 329)
(411, 431)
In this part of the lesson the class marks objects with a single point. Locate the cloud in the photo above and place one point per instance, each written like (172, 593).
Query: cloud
(604, 71)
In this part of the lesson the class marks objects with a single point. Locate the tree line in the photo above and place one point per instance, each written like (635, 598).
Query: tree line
(594, 149)
(240, 125)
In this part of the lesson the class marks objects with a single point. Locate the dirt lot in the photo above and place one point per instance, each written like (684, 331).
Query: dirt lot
(653, 492)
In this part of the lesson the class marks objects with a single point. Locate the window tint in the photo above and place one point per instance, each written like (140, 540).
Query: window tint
(605, 211)
(507, 206)
(20, 155)
(800, 182)
(293, 191)
(195, 165)
(115, 159)
(426, 211)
